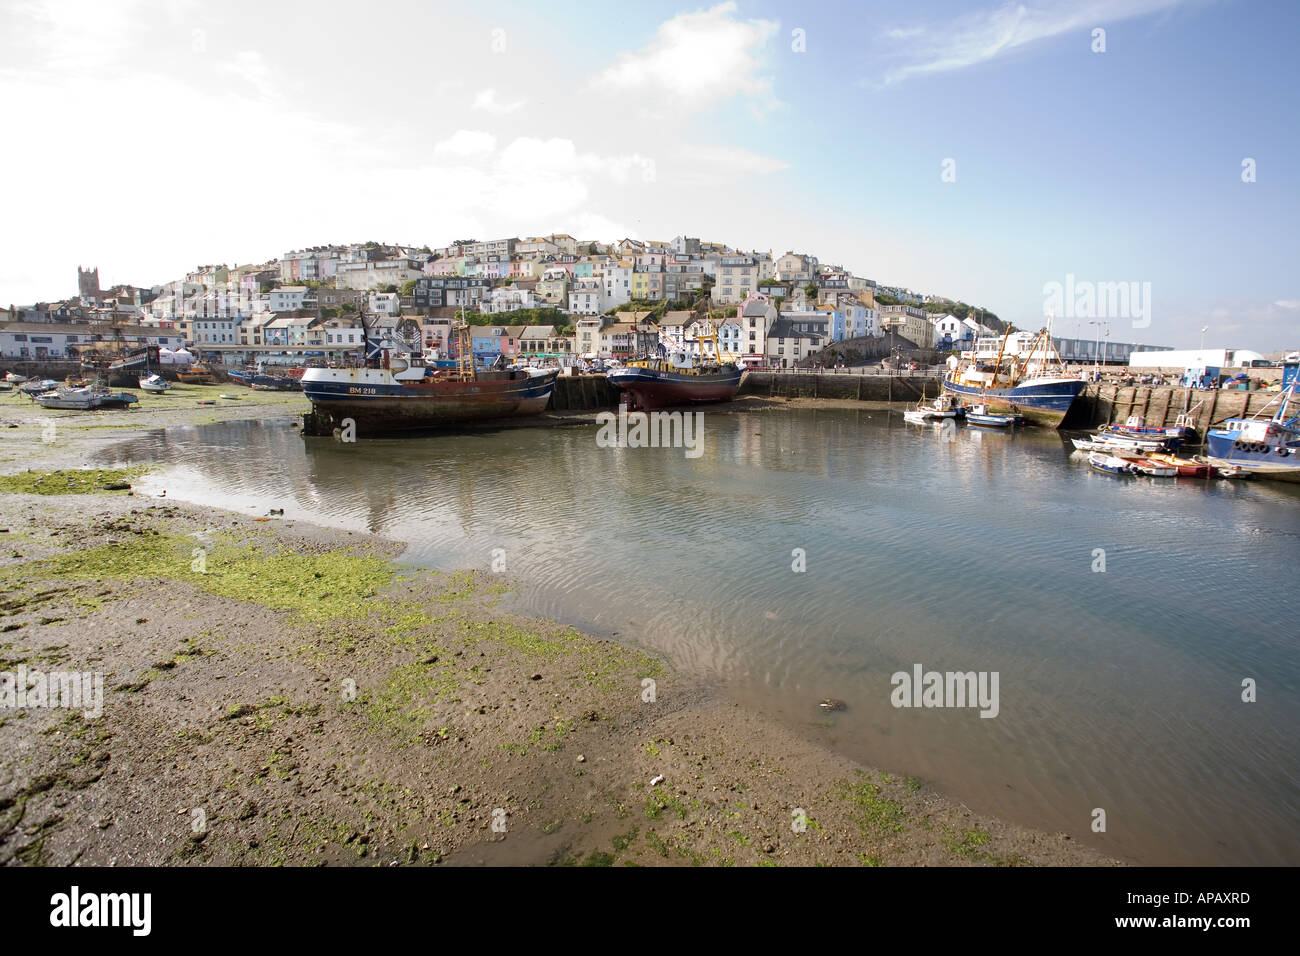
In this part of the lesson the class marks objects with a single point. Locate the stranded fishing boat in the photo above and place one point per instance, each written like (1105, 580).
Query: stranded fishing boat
(80, 399)
(1261, 447)
(678, 377)
(154, 384)
(196, 374)
(396, 391)
(1030, 383)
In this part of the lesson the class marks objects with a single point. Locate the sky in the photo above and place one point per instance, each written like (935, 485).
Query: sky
(979, 150)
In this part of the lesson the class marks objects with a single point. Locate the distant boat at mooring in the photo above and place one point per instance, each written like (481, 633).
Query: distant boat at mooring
(1032, 384)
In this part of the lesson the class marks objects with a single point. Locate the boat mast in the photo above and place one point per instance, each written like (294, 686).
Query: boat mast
(997, 366)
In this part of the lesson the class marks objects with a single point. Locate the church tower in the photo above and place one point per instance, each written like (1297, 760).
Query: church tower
(88, 282)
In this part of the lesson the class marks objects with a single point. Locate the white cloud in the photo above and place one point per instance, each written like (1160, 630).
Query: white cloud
(249, 66)
(730, 159)
(487, 101)
(465, 144)
(701, 57)
(1288, 303)
(983, 36)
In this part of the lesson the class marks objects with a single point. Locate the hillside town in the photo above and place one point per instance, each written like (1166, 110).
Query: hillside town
(548, 297)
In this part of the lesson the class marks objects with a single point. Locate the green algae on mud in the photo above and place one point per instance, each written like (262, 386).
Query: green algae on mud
(75, 481)
(319, 587)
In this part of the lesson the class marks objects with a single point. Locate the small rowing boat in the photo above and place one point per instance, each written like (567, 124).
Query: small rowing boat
(1110, 464)
(980, 415)
(1187, 467)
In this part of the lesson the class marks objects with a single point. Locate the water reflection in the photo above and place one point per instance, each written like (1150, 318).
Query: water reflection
(963, 550)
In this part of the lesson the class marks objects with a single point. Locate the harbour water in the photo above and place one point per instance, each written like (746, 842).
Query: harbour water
(965, 550)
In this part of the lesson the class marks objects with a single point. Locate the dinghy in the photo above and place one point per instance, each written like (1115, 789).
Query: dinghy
(980, 415)
(1110, 464)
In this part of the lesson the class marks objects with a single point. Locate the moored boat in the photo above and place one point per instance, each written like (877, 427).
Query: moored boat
(982, 416)
(1153, 469)
(678, 377)
(1032, 384)
(1135, 427)
(397, 392)
(154, 384)
(1261, 447)
(1187, 467)
(1111, 464)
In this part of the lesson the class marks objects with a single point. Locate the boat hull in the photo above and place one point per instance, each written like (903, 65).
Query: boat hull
(1225, 451)
(657, 388)
(1045, 403)
(377, 402)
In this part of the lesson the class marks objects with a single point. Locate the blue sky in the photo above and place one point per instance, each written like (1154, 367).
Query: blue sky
(236, 131)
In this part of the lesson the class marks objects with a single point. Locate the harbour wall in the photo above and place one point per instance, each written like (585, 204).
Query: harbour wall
(872, 386)
(41, 369)
(1162, 404)
(578, 392)
(573, 392)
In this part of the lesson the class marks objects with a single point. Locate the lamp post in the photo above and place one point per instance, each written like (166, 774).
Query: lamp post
(1204, 329)
(1096, 365)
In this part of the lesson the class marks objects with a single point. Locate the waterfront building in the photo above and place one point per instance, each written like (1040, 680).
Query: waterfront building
(757, 315)
(68, 340)
(786, 345)
(542, 341)
(951, 332)
(910, 322)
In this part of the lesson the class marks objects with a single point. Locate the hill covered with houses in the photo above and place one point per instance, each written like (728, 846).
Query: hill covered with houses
(545, 296)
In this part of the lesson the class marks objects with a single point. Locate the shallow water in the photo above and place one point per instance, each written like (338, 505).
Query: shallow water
(966, 550)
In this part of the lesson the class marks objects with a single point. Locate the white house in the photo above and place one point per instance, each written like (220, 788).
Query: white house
(588, 297)
(287, 298)
(618, 283)
(384, 303)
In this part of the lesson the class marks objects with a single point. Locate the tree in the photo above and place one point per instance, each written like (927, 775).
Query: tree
(408, 287)
(390, 287)
(810, 290)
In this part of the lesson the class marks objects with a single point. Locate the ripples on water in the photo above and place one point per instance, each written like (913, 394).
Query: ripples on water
(1118, 690)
